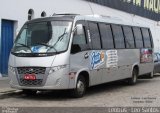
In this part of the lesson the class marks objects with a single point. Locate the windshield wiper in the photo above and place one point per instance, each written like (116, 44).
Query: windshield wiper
(50, 46)
(61, 36)
(53, 46)
(44, 44)
(23, 45)
(59, 39)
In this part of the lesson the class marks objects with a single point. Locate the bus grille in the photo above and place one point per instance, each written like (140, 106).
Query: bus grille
(31, 70)
(36, 82)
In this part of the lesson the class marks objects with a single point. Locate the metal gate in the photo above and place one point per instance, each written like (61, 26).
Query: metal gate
(7, 30)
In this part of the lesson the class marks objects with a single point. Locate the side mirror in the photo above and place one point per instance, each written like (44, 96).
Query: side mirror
(75, 48)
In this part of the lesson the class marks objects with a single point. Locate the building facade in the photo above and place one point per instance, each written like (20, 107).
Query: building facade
(13, 14)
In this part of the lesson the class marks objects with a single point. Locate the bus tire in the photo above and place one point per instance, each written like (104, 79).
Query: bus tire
(80, 89)
(29, 92)
(133, 79)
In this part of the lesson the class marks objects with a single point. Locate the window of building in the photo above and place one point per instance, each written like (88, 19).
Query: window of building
(146, 37)
(118, 36)
(138, 37)
(30, 14)
(106, 36)
(129, 38)
(95, 37)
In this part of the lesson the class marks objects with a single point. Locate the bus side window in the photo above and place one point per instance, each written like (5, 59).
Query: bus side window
(138, 37)
(129, 38)
(106, 35)
(95, 36)
(79, 39)
(151, 39)
(118, 36)
(146, 36)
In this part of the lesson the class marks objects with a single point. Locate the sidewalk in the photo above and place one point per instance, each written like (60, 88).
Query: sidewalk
(4, 85)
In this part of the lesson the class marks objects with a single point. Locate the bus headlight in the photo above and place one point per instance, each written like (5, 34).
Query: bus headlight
(56, 68)
(12, 69)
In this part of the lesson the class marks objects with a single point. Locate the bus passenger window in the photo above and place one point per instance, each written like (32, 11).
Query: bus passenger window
(138, 37)
(106, 35)
(79, 39)
(118, 37)
(129, 38)
(95, 36)
(146, 37)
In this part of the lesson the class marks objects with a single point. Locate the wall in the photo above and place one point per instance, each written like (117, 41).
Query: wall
(123, 16)
(17, 11)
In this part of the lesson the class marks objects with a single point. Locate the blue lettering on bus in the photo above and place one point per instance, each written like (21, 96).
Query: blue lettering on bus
(97, 58)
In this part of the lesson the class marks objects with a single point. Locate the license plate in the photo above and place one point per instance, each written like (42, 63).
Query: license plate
(30, 77)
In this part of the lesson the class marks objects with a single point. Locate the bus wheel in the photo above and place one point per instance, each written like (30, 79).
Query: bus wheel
(29, 92)
(133, 79)
(151, 75)
(80, 89)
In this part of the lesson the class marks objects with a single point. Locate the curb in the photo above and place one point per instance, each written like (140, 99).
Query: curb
(5, 81)
(4, 78)
(7, 90)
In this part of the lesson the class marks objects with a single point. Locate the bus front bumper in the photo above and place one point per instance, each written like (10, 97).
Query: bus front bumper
(59, 80)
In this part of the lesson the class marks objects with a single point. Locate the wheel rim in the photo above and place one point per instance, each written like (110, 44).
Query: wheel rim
(80, 87)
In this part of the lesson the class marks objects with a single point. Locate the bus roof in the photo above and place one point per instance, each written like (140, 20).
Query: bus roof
(107, 19)
(55, 17)
(76, 17)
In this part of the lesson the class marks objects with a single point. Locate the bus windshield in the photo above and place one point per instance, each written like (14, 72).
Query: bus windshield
(43, 37)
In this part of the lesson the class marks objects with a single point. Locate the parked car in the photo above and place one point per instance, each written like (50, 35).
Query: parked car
(156, 62)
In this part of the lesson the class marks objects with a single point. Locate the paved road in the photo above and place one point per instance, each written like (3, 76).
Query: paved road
(145, 93)
(4, 85)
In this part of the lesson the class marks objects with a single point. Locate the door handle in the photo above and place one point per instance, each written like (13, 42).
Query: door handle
(86, 55)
